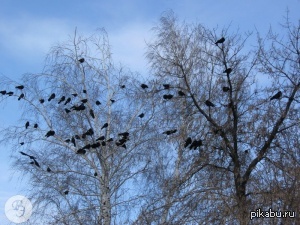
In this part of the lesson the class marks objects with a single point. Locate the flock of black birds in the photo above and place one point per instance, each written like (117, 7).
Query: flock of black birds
(123, 137)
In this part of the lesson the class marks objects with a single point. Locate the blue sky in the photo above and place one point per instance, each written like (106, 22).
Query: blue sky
(29, 28)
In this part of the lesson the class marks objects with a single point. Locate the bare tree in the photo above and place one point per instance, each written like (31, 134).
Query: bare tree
(244, 131)
(82, 143)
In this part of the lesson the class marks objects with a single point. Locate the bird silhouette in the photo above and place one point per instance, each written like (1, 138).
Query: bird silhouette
(81, 151)
(103, 143)
(84, 91)
(169, 96)
(52, 96)
(169, 132)
(166, 86)
(26, 124)
(75, 95)
(84, 100)
(81, 60)
(22, 143)
(66, 192)
(188, 141)
(122, 86)
(42, 101)
(220, 41)
(67, 110)
(90, 132)
(109, 140)
(276, 96)
(209, 103)
(21, 96)
(30, 156)
(95, 145)
(77, 137)
(144, 86)
(35, 125)
(227, 71)
(73, 141)
(181, 93)
(67, 101)
(98, 103)
(101, 138)
(61, 99)
(225, 89)
(67, 140)
(20, 87)
(48, 169)
(141, 115)
(3, 92)
(112, 101)
(95, 174)
(104, 126)
(10, 93)
(88, 146)
(50, 133)
(83, 136)
(92, 114)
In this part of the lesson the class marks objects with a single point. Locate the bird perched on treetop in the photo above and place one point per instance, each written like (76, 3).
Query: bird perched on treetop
(209, 103)
(169, 132)
(276, 96)
(52, 96)
(50, 133)
(42, 100)
(141, 115)
(220, 41)
(227, 71)
(21, 96)
(26, 124)
(166, 86)
(61, 99)
(188, 141)
(81, 60)
(225, 89)
(104, 126)
(181, 93)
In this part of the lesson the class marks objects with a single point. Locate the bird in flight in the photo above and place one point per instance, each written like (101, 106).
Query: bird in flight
(276, 96)
(220, 41)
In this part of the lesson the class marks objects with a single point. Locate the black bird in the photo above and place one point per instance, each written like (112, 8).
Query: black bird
(169, 132)
(35, 163)
(42, 100)
(228, 71)
(195, 144)
(276, 96)
(83, 136)
(166, 86)
(10, 93)
(52, 96)
(225, 89)
(50, 133)
(141, 115)
(67, 140)
(169, 96)
(188, 141)
(78, 108)
(77, 137)
(20, 87)
(109, 140)
(209, 103)
(67, 101)
(90, 132)
(92, 114)
(122, 86)
(95, 174)
(81, 151)
(3, 92)
(103, 143)
(88, 146)
(35, 125)
(112, 101)
(66, 192)
(73, 141)
(48, 169)
(98, 103)
(81, 60)
(22, 143)
(101, 138)
(61, 99)
(84, 91)
(84, 100)
(220, 41)
(21, 96)
(95, 145)
(67, 110)
(104, 126)
(26, 124)
(181, 93)
(30, 156)
(144, 86)
(75, 95)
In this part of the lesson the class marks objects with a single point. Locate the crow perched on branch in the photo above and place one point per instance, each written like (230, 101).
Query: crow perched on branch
(104, 126)
(181, 93)
(67, 101)
(276, 96)
(169, 132)
(81, 151)
(141, 115)
(98, 103)
(35, 125)
(3, 92)
(81, 60)
(20, 87)
(21, 96)
(92, 114)
(48, 169)
(50, 133)
(169, 96)
(227, 71)
(52, 96)
(166, 86)
(220, 41)
(42, 101)
(61, 99)
(26, 124)
(144, 86)
(188, 141)
(225, 89)
(10, 93)
(101, 138)
(209, 103)
(122, 86)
